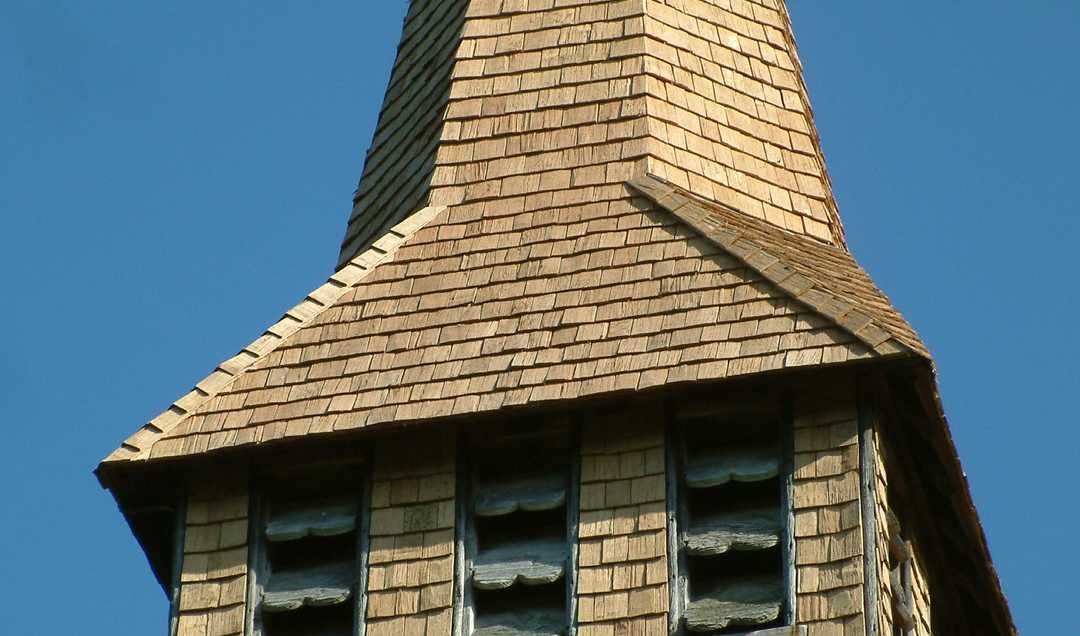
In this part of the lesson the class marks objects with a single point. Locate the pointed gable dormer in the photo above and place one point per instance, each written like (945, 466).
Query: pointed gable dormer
(595, 359)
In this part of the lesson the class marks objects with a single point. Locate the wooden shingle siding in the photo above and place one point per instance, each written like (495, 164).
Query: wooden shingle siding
(919, 584)
(213, 579)
(622, 549)
(827, 509)
(411, 563)
(543, 101)
(541, 95)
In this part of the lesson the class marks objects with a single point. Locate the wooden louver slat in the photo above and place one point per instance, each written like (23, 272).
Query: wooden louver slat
(901, 557)
(536, 622)
(317, 586)
(312, 521)
(742, 530)
(711, 467)
(530, 494)
(526, 562)
(741, 603)
(309, 552)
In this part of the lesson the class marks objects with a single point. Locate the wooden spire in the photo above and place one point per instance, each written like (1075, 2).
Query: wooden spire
(503, 107)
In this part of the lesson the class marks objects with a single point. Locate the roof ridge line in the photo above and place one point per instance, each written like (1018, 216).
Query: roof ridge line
(138, 445)
(804, 288)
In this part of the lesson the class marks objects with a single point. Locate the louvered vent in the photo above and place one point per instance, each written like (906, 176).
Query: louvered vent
(732, 529)
(309, 554)
(519, 548)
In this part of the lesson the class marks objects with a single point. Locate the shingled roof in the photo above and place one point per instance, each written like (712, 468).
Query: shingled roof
(823, 277)
(620, 195)
(621, 295)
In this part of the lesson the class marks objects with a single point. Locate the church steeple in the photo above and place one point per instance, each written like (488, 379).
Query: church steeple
(497, 100)
(595, 361)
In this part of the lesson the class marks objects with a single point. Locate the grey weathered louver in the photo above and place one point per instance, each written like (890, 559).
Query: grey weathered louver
(317, 586)
(541, 621)
(528, 494)
(318, 519)
(308, 563)
(717, 466)
(528, 562)
(731, 525)
(743, 603)
(519, 538)
(740, 530)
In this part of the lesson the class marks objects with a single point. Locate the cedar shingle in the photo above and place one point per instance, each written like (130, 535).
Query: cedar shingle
(547, 278)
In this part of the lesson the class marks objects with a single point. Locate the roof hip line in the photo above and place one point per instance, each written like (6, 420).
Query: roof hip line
(742, 236)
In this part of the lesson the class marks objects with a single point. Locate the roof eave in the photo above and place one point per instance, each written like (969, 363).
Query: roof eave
(139, 446)
(928, 388)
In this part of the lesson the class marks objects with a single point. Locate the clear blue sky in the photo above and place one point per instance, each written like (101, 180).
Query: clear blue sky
(173, 176)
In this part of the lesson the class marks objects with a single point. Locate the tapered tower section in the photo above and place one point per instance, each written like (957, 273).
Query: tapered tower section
(595, 360)
(493, 100)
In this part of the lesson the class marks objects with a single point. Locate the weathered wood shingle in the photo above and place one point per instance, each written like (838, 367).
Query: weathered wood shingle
(488, 98)
(604, 296)
(546, 277)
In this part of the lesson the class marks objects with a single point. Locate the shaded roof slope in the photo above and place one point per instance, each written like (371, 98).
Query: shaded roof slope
(613, 294)
(822, 276)
(400, 161)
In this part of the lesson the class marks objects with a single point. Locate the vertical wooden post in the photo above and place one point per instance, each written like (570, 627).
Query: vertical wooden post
(179, 531)
(256, 569)
(363, 544)
(787, 478)
(676, 558)
(573, 514)
(868, 488)
(462, 592)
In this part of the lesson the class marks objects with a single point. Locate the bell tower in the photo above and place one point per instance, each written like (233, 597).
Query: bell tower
(595, 360)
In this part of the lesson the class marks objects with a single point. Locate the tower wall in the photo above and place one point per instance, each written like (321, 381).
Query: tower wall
(214, 572)
(411, 566)
(889, 591)
(827, 511)
(397, 170)
(622, 538)
(622, 543)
